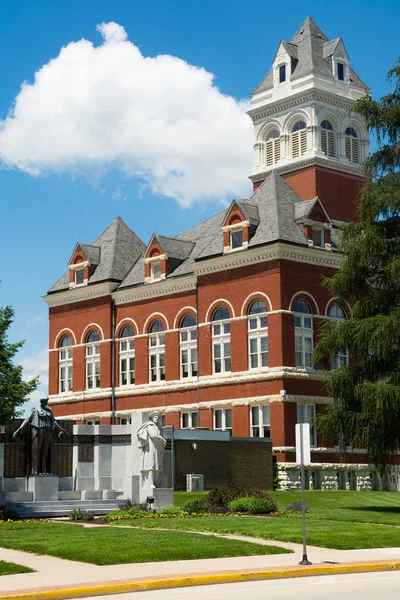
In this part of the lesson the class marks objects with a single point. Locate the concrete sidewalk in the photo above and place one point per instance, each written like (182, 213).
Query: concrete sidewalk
(57, 578)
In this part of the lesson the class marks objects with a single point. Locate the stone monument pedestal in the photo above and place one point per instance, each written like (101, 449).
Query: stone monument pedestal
(162, 497)
(43, 487)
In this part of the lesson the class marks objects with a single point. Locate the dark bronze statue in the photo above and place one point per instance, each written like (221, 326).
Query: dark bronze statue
(42, 424)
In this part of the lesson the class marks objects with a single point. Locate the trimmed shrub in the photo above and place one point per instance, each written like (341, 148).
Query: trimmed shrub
(80, 515)
(225, 495)
(254, 506)
(129, 505)
(203, 506)
(171, 511)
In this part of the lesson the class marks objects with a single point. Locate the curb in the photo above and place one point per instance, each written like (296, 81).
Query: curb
(140, 585)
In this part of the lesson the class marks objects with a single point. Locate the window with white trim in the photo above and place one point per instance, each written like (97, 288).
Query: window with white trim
(273, 148)
(257, 335)
(222, 419)
(221, 341)
(340, 71)
(65, 365)
(236, 238)
(92, 422)
(282, 73)
(127, 356)
(188, 347)
(79, 276)
(303, 333)
(318, 237)
(189, 420)
(327, 138)
(351, 144)
(155, 271)
(125, 421)
(260, 421)
(306, 414)
(157, 351)
(342, 357)
(93, 361)
(299, 139)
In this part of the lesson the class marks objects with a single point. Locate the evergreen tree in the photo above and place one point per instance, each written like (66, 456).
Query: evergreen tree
(366, 408)
(13, 390)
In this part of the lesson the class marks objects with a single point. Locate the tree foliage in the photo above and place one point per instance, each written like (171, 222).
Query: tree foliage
(14, 391)
(366, 408)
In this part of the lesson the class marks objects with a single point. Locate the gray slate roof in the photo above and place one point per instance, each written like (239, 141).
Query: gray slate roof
(119, 248)
(312, 51)
(273, 209)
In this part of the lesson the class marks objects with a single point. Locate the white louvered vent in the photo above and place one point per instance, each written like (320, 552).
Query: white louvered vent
(273, 152)
(318, 238)
(328, 142)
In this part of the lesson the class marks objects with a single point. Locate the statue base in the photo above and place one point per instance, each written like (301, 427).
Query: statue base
(162, 497)
(43, 487)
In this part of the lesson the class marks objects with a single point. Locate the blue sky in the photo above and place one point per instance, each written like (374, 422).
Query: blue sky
(57, 189)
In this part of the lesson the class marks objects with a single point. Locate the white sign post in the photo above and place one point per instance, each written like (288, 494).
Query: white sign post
(303, 456)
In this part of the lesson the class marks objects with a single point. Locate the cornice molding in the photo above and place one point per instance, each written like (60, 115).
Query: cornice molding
(281, 105)
(334, 165)
(87, 292)
(164, 288)
(277, 250)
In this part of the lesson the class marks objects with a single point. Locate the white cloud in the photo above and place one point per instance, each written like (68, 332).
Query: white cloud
(157, 118)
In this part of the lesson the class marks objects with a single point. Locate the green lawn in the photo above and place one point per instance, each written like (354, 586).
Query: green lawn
(343, 520)
(110, 546)
(7, 568)
(366, 507)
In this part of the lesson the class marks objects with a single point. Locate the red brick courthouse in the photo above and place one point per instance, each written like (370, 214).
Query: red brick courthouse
(215, 326)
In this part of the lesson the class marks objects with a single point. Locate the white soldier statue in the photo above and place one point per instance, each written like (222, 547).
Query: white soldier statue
(152, 445)
(42, 424)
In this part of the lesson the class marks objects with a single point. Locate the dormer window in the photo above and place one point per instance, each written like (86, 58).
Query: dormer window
(79, 276)
(340, 71)
(318, 238)
(282, 73)
(155, 271)
(236, 239)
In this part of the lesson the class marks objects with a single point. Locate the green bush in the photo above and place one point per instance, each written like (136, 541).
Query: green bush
(77, 514)
(225, 495)
(199, 505)
(254, 506)
(6, 514)
(171, 510)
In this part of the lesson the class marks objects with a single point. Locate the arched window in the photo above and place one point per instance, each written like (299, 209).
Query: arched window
(273, 148)
(342, 356)
(303, 332)
(65, 365)
(327, 138)
(351, 143)
(127, 356)
(92, 361)
(221, 341)
(258, 335)
(157, 351)
(188, 347)
(299, 139)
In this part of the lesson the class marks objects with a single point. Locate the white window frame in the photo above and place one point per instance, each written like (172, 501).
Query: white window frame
(155, 266)
(93, 366)
(65, 369)
(192, 418)
(299, 144)
(352, 147)
(157, 350)
(80, 270)
(127, 354)
(321, 234)
(263, 418)
(307, 418)
(226, 417)
(303, 331)
(219, 342)
(92, 422)
(237, 229)
(188, 346)
(258, 333)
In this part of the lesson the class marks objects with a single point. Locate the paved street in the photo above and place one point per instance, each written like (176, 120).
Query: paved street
(363, 586)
